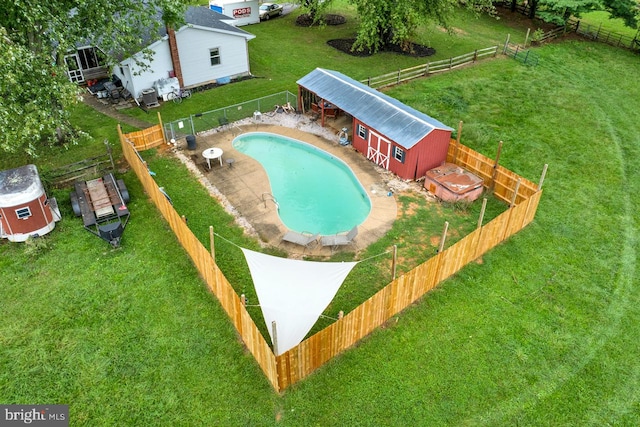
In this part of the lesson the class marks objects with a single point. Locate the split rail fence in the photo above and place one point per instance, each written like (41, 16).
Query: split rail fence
(593, 32)
(300, 361)
(424, 70)
(601, 35)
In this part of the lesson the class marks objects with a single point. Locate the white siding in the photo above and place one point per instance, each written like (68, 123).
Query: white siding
(194, 45)
(158, 69)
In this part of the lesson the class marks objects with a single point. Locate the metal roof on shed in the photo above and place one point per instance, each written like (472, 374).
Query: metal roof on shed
(19, 185)
(403, 124)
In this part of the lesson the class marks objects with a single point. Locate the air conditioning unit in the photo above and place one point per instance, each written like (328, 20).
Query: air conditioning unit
(150, 98)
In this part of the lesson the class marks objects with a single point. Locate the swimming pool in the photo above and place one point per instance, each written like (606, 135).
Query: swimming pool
(316, 191)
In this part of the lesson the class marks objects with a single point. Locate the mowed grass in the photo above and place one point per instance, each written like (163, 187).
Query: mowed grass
(602, 19)
(283, 52)
(541, 331)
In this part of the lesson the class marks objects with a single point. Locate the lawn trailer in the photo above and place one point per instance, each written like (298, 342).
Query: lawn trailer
(102, 204)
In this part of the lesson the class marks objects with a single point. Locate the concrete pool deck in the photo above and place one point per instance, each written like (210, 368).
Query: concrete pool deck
(243, 186)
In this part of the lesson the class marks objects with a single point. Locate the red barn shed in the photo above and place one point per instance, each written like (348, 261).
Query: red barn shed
(25, 209)
(389, 133)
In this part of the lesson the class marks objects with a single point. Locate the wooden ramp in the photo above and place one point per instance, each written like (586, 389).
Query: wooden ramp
(101, 201)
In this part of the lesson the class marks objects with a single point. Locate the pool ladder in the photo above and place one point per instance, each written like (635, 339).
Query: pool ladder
(269, 196)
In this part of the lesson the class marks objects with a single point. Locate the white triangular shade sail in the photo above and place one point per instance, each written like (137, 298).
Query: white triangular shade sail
(293, 293)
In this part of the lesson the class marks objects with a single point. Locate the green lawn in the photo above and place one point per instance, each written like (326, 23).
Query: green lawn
(602, 19)
(282, 53)
(542, 331)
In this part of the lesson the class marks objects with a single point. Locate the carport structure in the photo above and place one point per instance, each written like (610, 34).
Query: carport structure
(391, 134)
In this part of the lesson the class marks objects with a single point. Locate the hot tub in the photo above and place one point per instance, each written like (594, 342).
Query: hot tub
(449, 182)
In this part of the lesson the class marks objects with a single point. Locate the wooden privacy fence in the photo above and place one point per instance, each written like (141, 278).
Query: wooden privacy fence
(300, 361)
(506, 185)
(524, 197)
(205, 264)
(148, 138)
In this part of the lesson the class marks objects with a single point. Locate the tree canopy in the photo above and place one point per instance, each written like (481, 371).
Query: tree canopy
(558, 11)
(384, 22)
(627, 10)
(34, 90)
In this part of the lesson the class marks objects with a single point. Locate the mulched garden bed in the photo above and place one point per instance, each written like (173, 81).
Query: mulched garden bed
(415, 50)
(346, 45)
(305, 20)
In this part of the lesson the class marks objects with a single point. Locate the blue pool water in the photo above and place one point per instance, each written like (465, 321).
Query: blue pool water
(316, 191)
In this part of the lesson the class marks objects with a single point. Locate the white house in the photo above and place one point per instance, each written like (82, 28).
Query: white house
(208, 48)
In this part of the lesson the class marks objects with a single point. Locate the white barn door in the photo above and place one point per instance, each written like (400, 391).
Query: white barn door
(379, 149)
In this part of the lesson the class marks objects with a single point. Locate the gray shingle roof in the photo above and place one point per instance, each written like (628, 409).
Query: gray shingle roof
(403, 124)
(202, 16)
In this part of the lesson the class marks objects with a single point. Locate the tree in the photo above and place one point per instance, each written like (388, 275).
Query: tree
(559, 11)
(384, 23)
(35, 36)
(315, 8)
(627, 10)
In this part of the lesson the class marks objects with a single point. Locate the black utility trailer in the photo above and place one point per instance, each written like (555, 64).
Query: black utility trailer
(102, 204)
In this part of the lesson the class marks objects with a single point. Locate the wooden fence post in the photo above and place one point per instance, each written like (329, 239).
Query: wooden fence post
(495, 168)
(444, 236)
(506, 44)
(544, 173)
(213, 249)
(481, 217)
(274, 334)
(340, 314)
(243, 300)
(515, 194)
(455, 152)
(164, 137)
(393, 265)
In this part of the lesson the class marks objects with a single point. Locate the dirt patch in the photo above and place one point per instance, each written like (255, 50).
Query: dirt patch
(520, 21)
(413, 49)
(454, 30)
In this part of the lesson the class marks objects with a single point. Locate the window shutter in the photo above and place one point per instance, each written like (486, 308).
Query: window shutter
(398, 154)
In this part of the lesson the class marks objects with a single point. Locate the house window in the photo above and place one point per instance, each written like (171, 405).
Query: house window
(90, 58)
(214, 56)
(398, 154)
(362, 131)
(23, 213)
